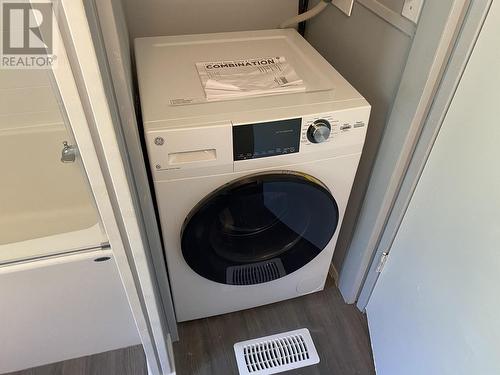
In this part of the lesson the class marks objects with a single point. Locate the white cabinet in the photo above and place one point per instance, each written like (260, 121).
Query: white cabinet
(61, 308)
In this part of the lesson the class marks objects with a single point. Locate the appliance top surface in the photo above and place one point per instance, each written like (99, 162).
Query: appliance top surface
(166, 71)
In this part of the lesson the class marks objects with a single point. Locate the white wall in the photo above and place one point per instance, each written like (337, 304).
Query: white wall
(395, 5)
(370, 53)
(434, 310)
(174, 17)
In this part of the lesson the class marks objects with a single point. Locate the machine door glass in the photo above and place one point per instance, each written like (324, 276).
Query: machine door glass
(259, 228)
(46, 205)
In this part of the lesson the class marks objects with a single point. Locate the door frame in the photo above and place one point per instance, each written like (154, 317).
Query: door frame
(105, 18)
(440, 27)
(467, 18)
(84, 98)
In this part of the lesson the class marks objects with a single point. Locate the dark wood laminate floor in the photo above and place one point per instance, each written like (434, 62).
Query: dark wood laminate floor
(128, 361)
(339, 331)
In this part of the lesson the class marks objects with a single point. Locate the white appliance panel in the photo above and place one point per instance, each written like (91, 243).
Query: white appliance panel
(309, 140)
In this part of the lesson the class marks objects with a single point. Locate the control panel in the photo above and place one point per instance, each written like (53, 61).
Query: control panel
(253, 141)
(289, 136)
(223, 147)
(326, 128)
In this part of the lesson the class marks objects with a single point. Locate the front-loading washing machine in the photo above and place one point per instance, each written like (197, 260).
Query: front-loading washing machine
(251, 192)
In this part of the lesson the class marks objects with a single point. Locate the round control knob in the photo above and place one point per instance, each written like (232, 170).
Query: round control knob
(319, 131)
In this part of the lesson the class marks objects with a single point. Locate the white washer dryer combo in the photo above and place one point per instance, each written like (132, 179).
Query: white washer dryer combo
(251, 192)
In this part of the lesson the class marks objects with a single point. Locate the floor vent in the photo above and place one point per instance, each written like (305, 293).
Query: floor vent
(255, 273)
(277, 353)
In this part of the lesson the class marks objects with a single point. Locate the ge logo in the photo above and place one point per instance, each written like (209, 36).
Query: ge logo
(159, 141)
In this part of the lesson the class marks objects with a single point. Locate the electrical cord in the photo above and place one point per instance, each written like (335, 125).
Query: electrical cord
(307, 15)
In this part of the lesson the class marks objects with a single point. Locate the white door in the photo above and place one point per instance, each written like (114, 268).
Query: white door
(435, 307)
(46, 204)
(60, 308)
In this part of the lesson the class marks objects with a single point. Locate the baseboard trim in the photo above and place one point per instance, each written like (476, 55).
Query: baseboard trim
(334, 274)
(151, 373)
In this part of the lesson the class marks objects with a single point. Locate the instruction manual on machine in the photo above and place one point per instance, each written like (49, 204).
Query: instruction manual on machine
(250, 77)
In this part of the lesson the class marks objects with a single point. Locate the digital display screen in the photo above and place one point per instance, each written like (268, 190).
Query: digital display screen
(252, 141)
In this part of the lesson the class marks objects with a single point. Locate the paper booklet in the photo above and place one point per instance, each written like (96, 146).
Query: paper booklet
(246, 78)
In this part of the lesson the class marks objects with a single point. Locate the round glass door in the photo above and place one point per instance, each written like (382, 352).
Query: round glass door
(259, 228)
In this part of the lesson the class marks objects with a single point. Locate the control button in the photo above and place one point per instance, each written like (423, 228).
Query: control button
(319, 131)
